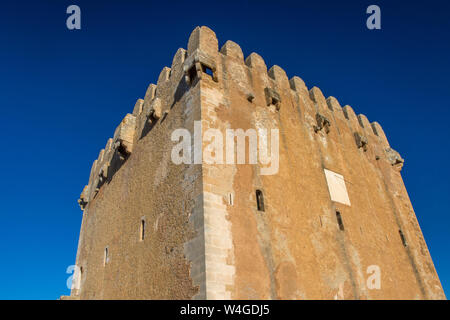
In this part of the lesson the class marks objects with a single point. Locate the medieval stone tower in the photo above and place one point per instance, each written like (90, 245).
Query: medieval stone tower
(334, 222)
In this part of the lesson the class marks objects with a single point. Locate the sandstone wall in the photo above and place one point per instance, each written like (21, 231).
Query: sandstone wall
(295, 249)
(205, 237)
(134, 179)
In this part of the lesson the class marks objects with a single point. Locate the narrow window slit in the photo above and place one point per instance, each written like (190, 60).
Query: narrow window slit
(105, 261)
(230, 199)
(339, 220)
(402, 236)
(142, 233)
(260, 200)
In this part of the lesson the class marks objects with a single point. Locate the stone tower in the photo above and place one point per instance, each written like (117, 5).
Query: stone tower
(333, 222)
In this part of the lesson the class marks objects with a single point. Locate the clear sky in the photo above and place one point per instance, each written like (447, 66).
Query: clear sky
(62, 94)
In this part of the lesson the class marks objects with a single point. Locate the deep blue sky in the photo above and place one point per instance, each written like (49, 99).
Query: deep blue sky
(62, 94)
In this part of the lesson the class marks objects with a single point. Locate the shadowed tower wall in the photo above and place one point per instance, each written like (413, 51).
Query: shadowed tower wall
(336, 206)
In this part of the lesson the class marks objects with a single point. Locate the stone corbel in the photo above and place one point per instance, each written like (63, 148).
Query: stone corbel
(361, 141)
(156, 109)
(322, 123)
(199, 61)
(272, 98)
(83, 201)
(394, 158)
(123, 148)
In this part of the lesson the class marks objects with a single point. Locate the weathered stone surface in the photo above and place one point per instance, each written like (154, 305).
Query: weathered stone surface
(322, 123)
(138, 107)
(297, 84)
(205, 39)
(316, 94)
(150, 93)
(163, 76)
(84, 198)
(394, 158)
(279, 75)
(333, 104)
(272, 97)
(254, 60)
(363, 121)
(378, 130)
(196, 65)
(331, 212)
(349, 113)
(125, 132)
(232, 50)
(156, 108)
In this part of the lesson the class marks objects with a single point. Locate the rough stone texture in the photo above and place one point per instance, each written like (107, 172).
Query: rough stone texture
(147, 184)
(205, 238)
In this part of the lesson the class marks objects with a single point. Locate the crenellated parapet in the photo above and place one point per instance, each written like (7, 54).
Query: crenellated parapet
(124, 136)
(203, 60)
(119, 147)
(320, 188)
(146, 113)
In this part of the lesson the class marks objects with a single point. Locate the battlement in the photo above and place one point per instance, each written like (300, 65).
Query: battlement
(201, 61)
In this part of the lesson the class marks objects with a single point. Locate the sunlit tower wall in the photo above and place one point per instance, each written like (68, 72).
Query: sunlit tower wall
(333, 222)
